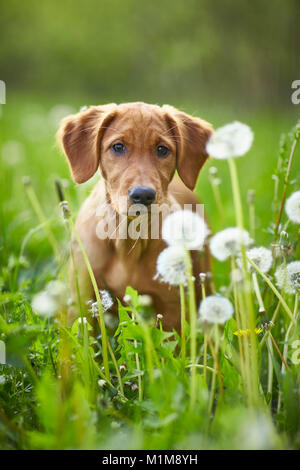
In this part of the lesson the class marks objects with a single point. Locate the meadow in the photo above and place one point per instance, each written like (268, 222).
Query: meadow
(54, 390)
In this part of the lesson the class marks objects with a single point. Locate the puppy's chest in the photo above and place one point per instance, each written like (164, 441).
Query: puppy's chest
(138, 273)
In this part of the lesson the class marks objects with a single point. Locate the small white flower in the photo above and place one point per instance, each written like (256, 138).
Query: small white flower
(185, 228)
(170, 266)
(288, 277)
(215, 309)
(228, 242)
(292, 207)
(232, 140)
(106, 299)
(2, 379)
(260, 256)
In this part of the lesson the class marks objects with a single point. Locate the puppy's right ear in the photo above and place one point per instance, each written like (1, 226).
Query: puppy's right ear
(79, 136)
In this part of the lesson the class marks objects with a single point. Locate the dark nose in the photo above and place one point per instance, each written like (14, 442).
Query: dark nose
(142, 195)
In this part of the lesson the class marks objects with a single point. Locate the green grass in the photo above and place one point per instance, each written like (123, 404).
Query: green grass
(50, 397)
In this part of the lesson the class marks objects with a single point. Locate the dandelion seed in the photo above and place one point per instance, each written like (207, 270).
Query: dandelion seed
(292, 207)
(231, 140)
(215, 309)
(228, 243)
(106, 299)
(95, 309)
(185, 228)
(260, 256)
(170, 266)
(288, 277)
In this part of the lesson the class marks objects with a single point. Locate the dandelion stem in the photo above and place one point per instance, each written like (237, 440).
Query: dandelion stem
(272, 321)
(271, 285)
(99, 303)
(247, 311)
(183, 320)
(278, 350)
(270, 367)
(258, 294)
(138, 366)
(193, 313)
(288, 332)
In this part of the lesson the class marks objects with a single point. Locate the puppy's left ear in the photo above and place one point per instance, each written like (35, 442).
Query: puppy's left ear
(191, 135)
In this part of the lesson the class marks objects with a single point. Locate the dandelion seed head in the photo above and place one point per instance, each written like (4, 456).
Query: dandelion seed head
(292, 207)
(228, 242)
(231, 140)
(106, 299)
(260, 256)
(185, 228)
(215, 309)
(288, 277)
(44, 304)
(170, 266)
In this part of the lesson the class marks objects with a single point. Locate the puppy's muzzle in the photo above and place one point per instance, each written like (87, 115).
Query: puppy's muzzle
(142, 195)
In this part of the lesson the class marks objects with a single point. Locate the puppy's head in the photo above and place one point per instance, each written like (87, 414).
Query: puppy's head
(137, 146)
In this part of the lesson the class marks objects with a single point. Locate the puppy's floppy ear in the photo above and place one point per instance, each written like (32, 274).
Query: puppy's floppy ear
(191, 135)
(80, 135)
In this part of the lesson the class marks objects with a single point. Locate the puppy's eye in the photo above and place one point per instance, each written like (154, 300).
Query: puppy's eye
(162, 151)
(118, 148)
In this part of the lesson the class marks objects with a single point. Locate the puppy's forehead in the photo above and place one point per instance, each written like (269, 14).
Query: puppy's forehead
(138, 116)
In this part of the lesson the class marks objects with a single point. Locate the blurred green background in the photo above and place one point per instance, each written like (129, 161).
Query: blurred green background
(218, 59)
(189, 52)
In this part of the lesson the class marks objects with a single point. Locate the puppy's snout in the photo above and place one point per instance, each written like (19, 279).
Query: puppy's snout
(142, 195)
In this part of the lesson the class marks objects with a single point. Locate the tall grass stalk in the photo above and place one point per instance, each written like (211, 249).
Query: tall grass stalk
(41, 216)
(183, 321)
(193, 326)
(247, 311)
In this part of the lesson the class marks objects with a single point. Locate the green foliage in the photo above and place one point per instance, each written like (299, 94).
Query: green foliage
(53, 393)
